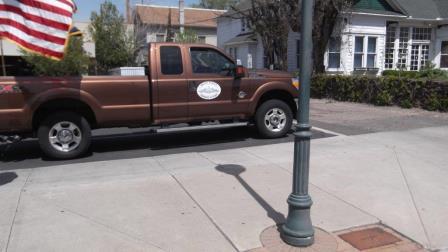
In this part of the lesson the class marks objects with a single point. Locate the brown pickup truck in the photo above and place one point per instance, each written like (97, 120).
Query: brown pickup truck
(185, 83)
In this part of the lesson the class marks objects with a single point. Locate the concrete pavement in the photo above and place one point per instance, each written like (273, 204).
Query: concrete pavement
(223, 200)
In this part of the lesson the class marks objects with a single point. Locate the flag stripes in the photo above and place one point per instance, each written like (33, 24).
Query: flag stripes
(41, 26)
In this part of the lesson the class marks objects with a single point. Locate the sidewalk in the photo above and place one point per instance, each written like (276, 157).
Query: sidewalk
(223, 200)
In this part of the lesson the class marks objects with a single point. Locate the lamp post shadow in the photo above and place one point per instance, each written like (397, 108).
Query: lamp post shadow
(236, 171)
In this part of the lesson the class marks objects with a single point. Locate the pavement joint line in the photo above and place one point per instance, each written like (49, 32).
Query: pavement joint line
(98, 223)
(327, 131)
(412, 195)
(319, 188)
(199, 205)
(17, 209)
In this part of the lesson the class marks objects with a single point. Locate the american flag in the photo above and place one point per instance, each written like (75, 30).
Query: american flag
(39, 26)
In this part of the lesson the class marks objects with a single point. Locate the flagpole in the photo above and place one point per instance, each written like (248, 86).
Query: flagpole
(3, 57)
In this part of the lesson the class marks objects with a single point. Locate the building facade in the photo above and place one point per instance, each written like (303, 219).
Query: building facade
(151, 23)
(375, 35)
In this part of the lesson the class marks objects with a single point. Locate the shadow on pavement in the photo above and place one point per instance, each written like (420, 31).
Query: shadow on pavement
(7, 177)
(236, 171)
(27, 154)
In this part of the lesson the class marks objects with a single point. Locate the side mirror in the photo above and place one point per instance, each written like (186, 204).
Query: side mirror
(240, 72)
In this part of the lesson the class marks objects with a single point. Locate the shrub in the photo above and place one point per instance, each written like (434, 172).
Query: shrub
(429, 72)
(383, 91)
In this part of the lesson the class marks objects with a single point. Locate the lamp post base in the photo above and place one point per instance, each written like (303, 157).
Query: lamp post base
(298, 230)
(272, 242)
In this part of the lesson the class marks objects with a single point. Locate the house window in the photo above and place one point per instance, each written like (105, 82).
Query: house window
(421, 33)
(359, 52)
(371, 52)
(365, 52)
(390, 47)
(444, 55)
(403, 48)
(298, 54)
(243, 24)
(201, 39)
(160, 38)
(334, 53)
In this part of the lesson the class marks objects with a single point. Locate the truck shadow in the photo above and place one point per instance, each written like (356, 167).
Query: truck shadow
(141, 144)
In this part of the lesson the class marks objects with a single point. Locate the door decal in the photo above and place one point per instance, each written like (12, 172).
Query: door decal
(208, 90)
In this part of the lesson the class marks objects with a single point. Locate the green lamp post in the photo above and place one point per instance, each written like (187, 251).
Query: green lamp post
(298, 230)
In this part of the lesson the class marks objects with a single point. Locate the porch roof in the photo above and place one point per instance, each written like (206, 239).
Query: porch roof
(242, 39)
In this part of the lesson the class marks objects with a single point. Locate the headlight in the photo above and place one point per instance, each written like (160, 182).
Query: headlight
(295, 82)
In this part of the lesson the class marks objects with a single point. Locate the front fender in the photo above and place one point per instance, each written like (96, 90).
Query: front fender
(270, 87)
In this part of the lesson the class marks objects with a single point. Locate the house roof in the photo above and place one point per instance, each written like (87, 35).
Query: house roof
(381, 7)
(415, 9)
(194, 17)
(242, 39)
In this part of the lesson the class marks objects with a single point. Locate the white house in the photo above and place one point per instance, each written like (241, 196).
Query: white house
(377, 35)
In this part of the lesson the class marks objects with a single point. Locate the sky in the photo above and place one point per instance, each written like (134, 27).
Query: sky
(85, 7)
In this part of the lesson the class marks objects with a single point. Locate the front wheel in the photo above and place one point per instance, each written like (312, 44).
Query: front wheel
(64, 135)
(273, 119)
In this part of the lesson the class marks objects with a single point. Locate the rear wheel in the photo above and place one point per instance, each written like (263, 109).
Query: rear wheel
(64, 135)
(273, 119)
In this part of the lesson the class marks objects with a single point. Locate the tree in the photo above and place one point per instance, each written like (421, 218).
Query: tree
(188, 36)
(75, 61)
(272, 20)
(114, 47)
(215, 4)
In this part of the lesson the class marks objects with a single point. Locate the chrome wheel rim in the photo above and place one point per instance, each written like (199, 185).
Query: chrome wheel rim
(65, 136)
(275, 120)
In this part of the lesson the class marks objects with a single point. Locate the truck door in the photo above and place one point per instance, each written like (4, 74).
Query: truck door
(212, 86)
(171, 88)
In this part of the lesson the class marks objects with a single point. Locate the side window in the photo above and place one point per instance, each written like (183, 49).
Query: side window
(171, 60)
(209, 61)
(444, 55)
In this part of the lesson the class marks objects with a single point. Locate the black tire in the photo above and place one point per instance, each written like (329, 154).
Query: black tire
(263, 110)
(83, 132)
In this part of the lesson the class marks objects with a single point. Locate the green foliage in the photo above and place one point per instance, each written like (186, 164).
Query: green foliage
(75, 62)
(215, 4)
(429, 72)
(383, 91)
(188, 36)
(114, 47)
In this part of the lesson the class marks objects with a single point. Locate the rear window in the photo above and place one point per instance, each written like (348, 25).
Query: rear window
(171, 60)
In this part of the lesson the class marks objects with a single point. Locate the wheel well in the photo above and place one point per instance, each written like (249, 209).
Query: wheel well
(279, 95)
(73, 105)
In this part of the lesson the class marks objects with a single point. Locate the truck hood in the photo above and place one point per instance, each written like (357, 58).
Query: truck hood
(269, 74)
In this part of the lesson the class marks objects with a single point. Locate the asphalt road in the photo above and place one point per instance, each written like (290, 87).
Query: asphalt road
(113, 144)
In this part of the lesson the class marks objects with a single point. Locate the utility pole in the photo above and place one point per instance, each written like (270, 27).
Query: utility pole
(298, 230)
(128, 12)
(3, 58)
(181, 16)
